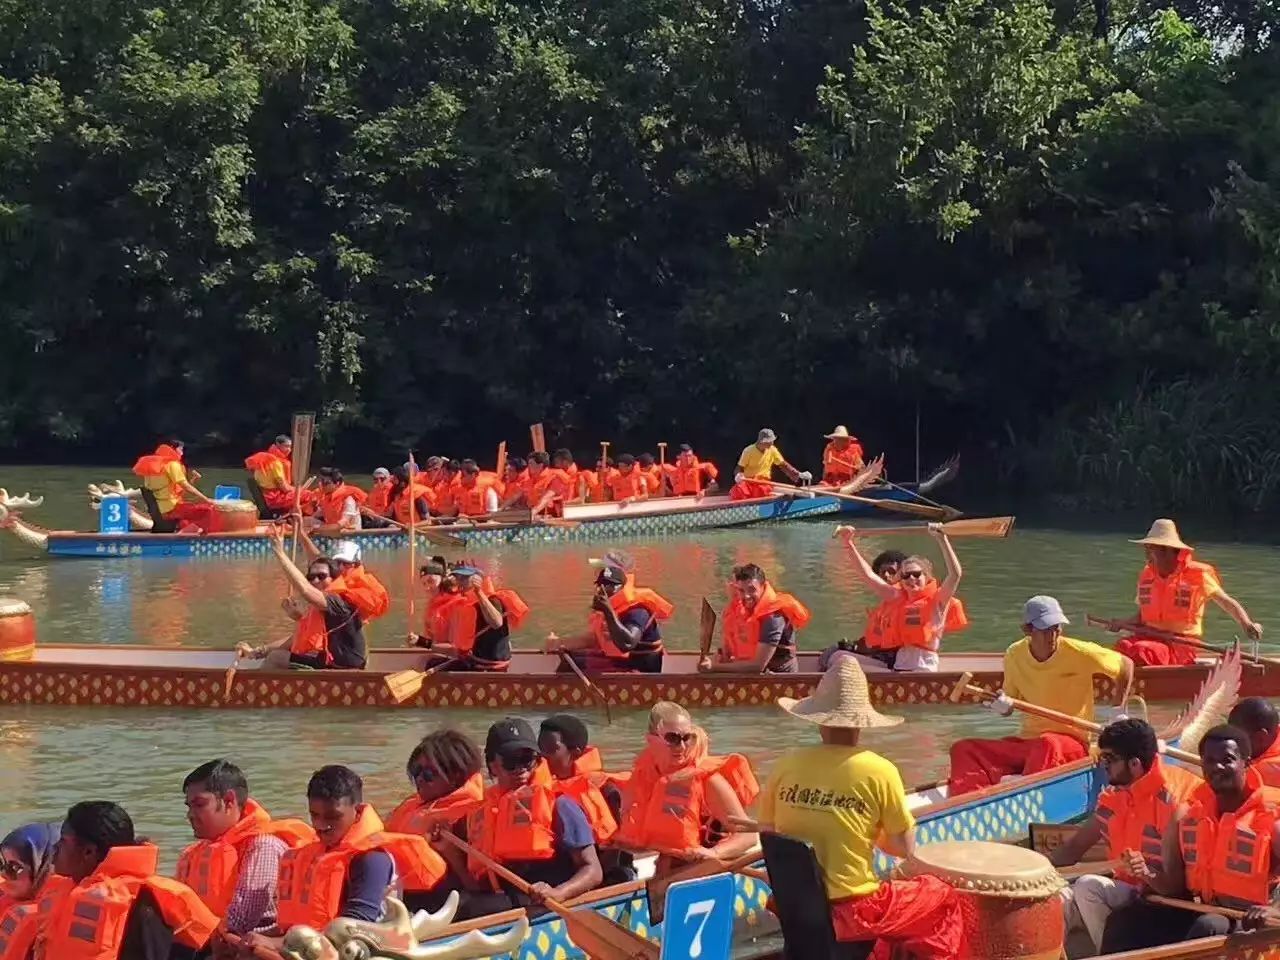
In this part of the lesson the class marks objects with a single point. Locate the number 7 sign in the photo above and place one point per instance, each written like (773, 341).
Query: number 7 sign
(699, 919)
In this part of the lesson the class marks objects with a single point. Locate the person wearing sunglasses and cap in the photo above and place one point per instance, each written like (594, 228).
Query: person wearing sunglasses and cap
(1049, 670)
(474, 625)
(755, 468)
(916, 611)
(623, 631)
(544, 839)
(329, 631)
(351, 577)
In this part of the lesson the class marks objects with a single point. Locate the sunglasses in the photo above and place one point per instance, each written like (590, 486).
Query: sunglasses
(1107, 758)
(678, 739)
(12, 869)
(315, 577)
(519, 761)
(425, 774)
(912, 575)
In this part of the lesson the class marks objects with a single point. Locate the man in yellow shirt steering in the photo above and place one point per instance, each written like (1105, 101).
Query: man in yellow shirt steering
(755, 468)
(1050, 670)
(844, 800)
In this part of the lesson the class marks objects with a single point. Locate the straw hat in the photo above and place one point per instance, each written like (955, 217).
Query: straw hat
(841, 700)
(1163, 533)
(840, 433)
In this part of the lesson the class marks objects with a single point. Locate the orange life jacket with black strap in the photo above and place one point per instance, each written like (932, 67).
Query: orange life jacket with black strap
(152, 470)
(212, 867)
(1176, 603)
(311, 634)
(627, 598)
(20, 919)
(513, 825)
(584, 787)
(1135, 817)
(465, 621)
(670, 811)
(411, 494)
(331, 503)
(912, 616)
(1228, 855)
(312, 877)
(364, 591)
(741, 638)
(87, 922)
(415, 816)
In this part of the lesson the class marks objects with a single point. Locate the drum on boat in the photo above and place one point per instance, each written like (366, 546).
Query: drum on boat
(17, 630)
(236, 516)
(1008, 897)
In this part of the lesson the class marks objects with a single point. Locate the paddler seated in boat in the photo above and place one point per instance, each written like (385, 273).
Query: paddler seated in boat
(841, 458)
(1173, 591)
(625, 483)
(758, 627)
(1142, 794)
(549, 487)
(440, 591)
(623, 630)
(477, 624)
(177, 497)
(876, 636)
(679, 800)
(235, 860)
(378, 511)
(689, 476)
(516, 484)
(339, 503)
(1049, 670)
(352, 579)
(1218, 847)
(475, 495)
(351, 866)
(329, 633)
(647, 464)
(117, 907)
(755, 468)
(26, 878)
(1257, 717)
(446, 770)
(914, 613)
(412, 500)
(543, 838)
(846, 801)
(272, 471)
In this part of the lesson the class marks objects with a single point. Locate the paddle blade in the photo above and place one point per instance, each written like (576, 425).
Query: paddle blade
(921, 510)
(500, 467)
(602, 939)
(707, 628)
(994, 527)
(538, 438)
(404, 684)
(304, 427)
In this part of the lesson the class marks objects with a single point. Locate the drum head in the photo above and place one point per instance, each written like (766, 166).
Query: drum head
(997, 869)
(235, 506)
(13, 607)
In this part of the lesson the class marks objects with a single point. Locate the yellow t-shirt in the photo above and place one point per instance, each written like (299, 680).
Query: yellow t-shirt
(271, 478)
(838, 799)
(1064, 682)
(163, 485)
(759, 466)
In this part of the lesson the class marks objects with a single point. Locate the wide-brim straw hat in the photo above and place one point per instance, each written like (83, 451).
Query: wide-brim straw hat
(840, 433)
(1164, 533)
(841, 700)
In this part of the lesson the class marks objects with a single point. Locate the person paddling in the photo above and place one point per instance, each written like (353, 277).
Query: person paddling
(841, 458)
(847, 801)
(179, 500)
(755, 468)
(689, 476)
(1257, 717)
(623, 628)
(272, 471)
(758, 627)
(1173, 591)
(475, 623)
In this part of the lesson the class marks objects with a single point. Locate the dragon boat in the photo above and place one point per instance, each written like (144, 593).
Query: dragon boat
(1003, 812)
(149, 676)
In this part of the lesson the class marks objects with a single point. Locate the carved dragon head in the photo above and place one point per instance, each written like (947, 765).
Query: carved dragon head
(26, 500)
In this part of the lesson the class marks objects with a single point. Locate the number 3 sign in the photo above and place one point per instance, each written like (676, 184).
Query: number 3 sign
(699, 919)
(113, 515)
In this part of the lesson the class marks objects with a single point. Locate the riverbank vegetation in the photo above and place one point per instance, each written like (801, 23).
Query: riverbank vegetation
(1052, 226)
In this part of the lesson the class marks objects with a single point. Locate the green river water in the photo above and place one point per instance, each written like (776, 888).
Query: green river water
(51, 757)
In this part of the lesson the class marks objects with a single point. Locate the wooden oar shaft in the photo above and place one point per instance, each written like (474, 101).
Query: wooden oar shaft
(993, 527)
(555, 906)
(588, 682)
(1089, 866)
(893, 506)
(1212, 908)
(1121, 626)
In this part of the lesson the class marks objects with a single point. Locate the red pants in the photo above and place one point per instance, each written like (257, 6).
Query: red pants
(751, 490)
(200, 514)
(921, 915)
(981, 763)
(278, 499)
(1156, 653)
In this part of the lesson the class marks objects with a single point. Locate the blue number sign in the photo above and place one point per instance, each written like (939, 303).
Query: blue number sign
(226, 492)
(113, 515)
(699, 919)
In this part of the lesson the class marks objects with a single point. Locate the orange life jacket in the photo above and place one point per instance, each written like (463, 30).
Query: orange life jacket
(1175, 603)
(669, 811)
(879, 627)
(464, 617)
(741, 638)
(687, 481)
(380, 496)
(512, 825)
(628, 597)
(152, 467)
(312, 877)
(20, 919)
(436, 621)
(621, 486)
(212, 867)
(554, 479)
(414, 816)
(363, 591)
(1135, 817)
(1229, 855)
(263, 465)
(517, 483)
(331, 503)
(470, 501)
(1267, 764)
(911, 619)
(311, 633)
(87, 922)
(584, 787)
(653, 477)
(841, 464)
(411, 494)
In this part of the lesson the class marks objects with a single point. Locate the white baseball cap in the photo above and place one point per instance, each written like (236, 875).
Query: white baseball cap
(347, 551)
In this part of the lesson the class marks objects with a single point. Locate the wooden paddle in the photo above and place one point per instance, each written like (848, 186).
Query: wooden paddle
(304, 425)
(1229, 912)
(404, 684)
(1086, 867)
(655, 888)
(595, 691)
(412, 513)
(538, 438)
(996, 528)
(963, 686)
(594, 934)
(500, 464)
(1122, 626)
(924, 511)
(435, 536)
(230, 679)
(706, 629)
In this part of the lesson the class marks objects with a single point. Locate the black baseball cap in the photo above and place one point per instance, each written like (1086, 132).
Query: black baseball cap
(610, 573)
(510, 736)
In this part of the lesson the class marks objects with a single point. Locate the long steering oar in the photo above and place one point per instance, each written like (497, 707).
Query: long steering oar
(1194, 907)
(590, 684)
(655, 888)
(995, 528)
(1122, 626)
(963, 686)
(595, 934)
(924, 511)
